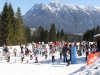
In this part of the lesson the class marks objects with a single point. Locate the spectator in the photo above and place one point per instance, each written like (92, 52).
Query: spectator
(6, 51)
(87, 52)
(64, 51)
(21, 46)
(53, 55)
(60, 51)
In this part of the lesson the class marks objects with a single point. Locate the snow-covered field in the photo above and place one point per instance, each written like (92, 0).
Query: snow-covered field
(46, 67)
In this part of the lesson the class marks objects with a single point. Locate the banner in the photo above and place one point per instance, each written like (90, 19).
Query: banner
(73, 55)
(92, 58)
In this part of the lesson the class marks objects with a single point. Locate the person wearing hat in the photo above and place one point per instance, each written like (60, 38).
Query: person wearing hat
(64, 52)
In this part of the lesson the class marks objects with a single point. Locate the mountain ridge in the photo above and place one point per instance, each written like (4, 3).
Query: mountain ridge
(69, 17)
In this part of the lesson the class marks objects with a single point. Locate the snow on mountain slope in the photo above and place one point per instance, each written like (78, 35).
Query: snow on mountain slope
(58, 6)
(65, 16)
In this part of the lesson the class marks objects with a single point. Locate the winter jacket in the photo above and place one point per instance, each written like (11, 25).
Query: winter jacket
(65, 49)
(6, 49)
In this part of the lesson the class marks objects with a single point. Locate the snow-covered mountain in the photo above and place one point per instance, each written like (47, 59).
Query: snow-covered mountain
(72, 18)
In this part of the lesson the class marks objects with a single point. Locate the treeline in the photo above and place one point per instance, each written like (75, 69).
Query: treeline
(42, 35)
(13, 31)
(88, 35)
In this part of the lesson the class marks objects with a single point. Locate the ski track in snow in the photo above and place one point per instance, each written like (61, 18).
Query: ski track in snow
(46, 67)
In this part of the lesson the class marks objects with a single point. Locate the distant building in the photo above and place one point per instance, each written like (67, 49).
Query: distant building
(97, 39)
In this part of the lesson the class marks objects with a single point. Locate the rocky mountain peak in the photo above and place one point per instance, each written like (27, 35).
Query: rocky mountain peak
(68, 17)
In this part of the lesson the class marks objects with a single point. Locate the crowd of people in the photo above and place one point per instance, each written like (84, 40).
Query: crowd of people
(64, 50)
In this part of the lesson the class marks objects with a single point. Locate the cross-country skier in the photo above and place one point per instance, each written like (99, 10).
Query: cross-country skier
(31, 54)
(36, 58)
(68, 58)
(15, 52)
(22, 56)
(8, 56)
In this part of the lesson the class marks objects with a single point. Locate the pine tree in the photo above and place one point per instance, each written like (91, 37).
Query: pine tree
(10, 26)
(20, 28)
(1, 32)
(52, 32)
(15, 32)
(28, 34)
(97, 27)
(41, 34)
(62, 35)
(65, 37)
(58, 36)
(5, 22)
(8, 21)
(46, 35)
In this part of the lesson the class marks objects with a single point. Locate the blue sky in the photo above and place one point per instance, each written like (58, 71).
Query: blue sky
(25, 5)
